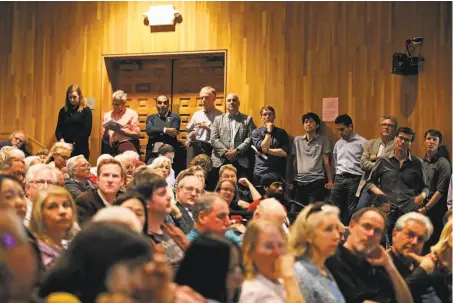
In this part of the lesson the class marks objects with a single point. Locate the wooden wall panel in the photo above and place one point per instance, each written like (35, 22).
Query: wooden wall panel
(287, 54)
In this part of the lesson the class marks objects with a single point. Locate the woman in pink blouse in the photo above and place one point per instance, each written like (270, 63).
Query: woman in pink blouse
(120, 128)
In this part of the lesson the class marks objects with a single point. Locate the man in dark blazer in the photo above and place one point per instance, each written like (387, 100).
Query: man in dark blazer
(188, 190)
(110, 179)
(231, 138)
(162, 128)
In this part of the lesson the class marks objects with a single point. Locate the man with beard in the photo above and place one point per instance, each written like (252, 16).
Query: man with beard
(373, 149)
(79, 176)
(17, 139)
(162, 128)
(272, 183)
(402, 178)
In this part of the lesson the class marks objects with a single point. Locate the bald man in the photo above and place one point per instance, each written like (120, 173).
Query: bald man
(271, 210)
(231, 139)
(162, 128)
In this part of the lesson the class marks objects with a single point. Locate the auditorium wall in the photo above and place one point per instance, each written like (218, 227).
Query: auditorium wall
(286, 54)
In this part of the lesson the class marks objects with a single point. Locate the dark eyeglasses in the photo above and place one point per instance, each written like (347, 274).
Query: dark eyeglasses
(63, 157)
(404, 139)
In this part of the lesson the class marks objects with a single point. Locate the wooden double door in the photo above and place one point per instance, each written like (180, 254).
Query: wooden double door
(178, 78)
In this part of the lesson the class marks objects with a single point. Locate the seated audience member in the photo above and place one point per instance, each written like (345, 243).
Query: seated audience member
(31, 160)
(447, 216)
(19, 140)
(220, 277)
(202, 160)
(59, 155)
(78, 170)
(170, 238)
(43, 153)
(119, 215)
(134, 201)
(129, 160)
(110, 179)
(4, 151)
(19, 263)
(272, 210)
(168, 151)
(38, 177)
(313, 238)
(60, 177)
(442, 274)
(83, 269)
(15, 153)
(188, 189)
(163, 164)
(362, 268)
(94, 170)
(228, 190)
(247, 192)
(199, 172)
(211, 213)
(272, 183)
(53, 220)
(120, 131)
(269, 273)
(411, 232)
(13, 167)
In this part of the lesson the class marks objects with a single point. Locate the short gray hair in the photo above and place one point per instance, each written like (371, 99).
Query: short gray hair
(395, 122)
(72, 163)
(119, 95)
(422, 219)
(37, 169)
(119, 214)
(158, 162)
(204, 204)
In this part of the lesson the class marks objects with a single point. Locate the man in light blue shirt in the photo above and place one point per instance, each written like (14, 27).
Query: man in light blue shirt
(211, 212)
(346, 154)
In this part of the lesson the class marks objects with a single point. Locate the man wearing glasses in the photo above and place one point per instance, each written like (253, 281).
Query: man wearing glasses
(231, 139)
(121, 130)
(79, 173)
(17, 139)
(401, 178)
(188, 190)
(162, 128)
(373, 149)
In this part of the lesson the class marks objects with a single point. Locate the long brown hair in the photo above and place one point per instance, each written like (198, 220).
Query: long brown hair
(68, 105)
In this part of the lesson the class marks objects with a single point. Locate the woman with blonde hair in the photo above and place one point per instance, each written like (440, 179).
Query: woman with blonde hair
(53, 220)
(313, 238)
(75, 122)
(269, 272)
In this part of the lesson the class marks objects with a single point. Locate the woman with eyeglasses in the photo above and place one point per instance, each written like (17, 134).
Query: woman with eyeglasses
(229, 191)
(75, 122)
(59, 154)
(120, 131)
(269, 273)
(53, 220)
(313, 238)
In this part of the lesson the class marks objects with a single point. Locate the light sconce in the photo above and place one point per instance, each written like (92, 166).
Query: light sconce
(161, 15)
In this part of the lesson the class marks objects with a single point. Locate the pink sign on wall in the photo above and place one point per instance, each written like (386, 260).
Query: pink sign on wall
(329, 109)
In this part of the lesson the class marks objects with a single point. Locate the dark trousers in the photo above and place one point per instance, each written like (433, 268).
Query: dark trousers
(201, 148)
(308, 193)
(343, 195)
(392, 217)
(365, 200)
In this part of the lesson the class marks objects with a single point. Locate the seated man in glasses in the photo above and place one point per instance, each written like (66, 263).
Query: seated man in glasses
(38, 177)
(17, 139)
(79, 173)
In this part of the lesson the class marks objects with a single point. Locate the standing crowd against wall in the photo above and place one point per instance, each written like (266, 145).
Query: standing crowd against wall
(361, 220)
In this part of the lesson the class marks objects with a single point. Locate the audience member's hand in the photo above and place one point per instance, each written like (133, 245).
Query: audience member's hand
(244, 182)
(428, 263)
(64, 170)
(373, 157)
(231, 153)
(192, 135)
(62, 140)
(171, 131)
(414, 257)
(243, 204)
(418, 201)
(184, 294)
(379, 257)
(285, 267)
(328, 185)
(269, 126)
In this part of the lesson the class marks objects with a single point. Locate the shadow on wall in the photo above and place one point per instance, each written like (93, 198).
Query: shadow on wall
(409, 92)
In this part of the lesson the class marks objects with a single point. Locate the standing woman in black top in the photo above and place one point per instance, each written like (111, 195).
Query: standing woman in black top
(74, 122)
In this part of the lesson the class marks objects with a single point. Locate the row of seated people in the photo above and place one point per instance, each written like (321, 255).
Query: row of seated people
(135, 237)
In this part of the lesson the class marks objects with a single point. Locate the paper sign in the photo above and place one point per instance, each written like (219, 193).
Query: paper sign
(329, 109)
(90, 102)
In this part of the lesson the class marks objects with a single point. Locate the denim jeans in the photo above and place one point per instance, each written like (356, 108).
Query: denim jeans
(365, 200)
(343, 196)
